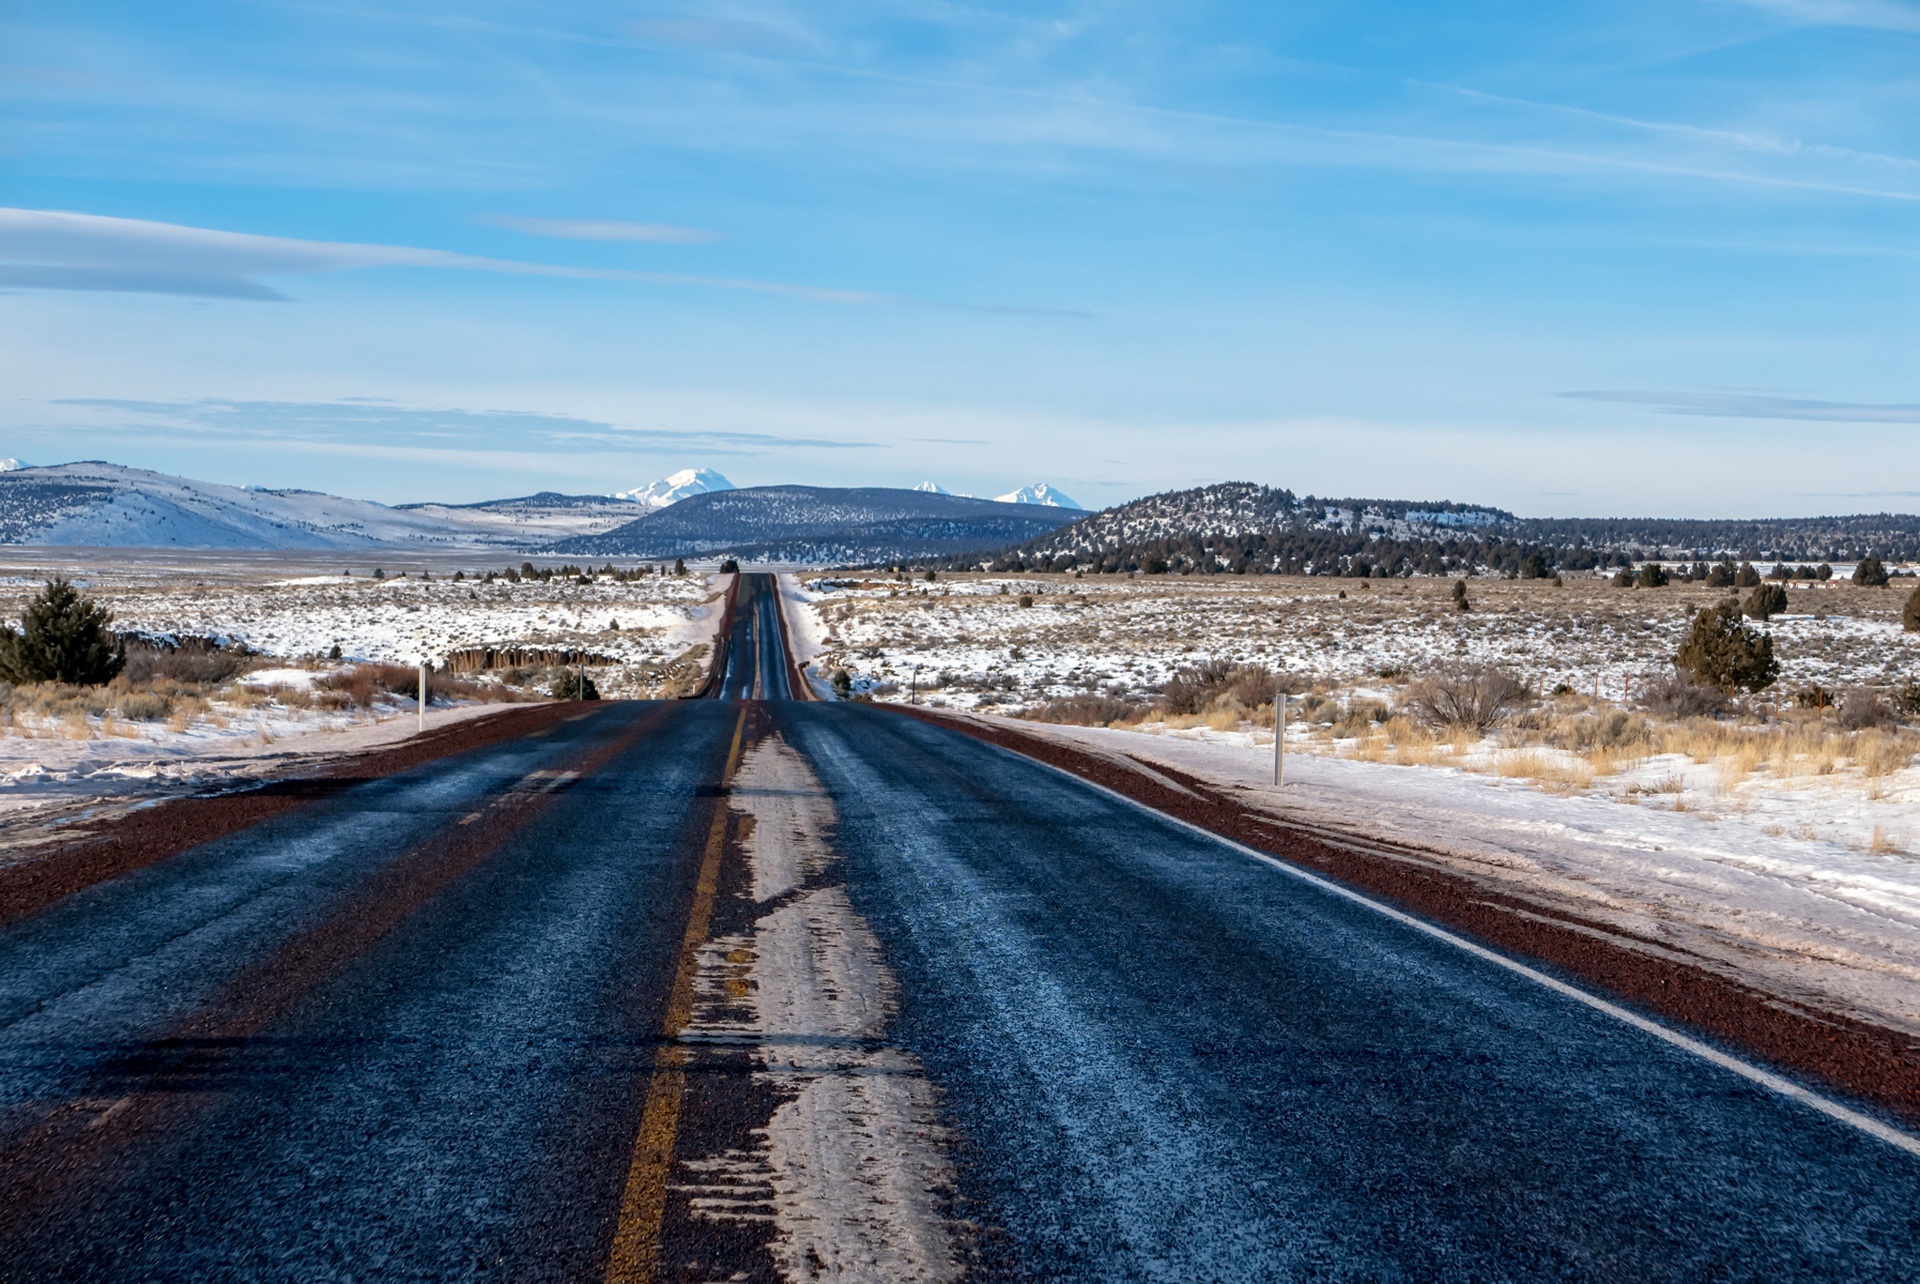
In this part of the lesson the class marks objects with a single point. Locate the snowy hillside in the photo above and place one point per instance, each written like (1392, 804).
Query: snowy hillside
(668, 491)
(822, 526)
(1039, 493)
(103, 505)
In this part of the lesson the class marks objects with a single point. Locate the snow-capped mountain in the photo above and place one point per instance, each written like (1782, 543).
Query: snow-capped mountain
(671, 490)
(821, 525)
(1038, 493)
(102, 505)
(11, 465)
(932, 488)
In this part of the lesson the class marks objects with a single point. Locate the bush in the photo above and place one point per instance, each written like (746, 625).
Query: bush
(1746, 576)
(730, 567)
(1678, 695)
(1088, 710)
(63, 637)
(1910, 613)
(572, 684)
(842, 683)
(1475, 696)
(1721, 575)
(1026, 599)
(1906, 698)
(1192, 690)
(189, 660)
(1460, 601)
(145, 706)
(1766, 602)
(1813, 696)
(1650, 575)
(1870, 573)
(1864, 708)
(1721, 650)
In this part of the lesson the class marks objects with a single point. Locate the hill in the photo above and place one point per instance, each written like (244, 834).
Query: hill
(823, 526)
(102, 505)
(1242, 527)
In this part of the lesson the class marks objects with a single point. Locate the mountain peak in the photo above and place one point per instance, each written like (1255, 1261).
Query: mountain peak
(676, 487)
(1039, 493)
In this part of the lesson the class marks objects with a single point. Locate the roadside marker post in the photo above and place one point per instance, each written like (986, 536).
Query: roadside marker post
(1279, 733)
(422, 711)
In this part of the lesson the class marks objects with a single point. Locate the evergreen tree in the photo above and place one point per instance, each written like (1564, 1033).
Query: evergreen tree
(1651, 575)
(1910, 616)
(1869, 573)
(63, 637)
(679, 566)
(1766, 602)
(1746, 577)
(1721, 575)
(1721, 650)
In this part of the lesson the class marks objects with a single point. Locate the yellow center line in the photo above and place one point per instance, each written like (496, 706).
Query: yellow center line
(635, 1256)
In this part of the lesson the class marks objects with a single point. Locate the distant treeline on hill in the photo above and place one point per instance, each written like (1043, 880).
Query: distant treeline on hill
(1240, 528)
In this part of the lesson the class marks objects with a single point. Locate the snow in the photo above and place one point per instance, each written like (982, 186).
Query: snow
(1818, 919)
(1038, 493)
(672, 489)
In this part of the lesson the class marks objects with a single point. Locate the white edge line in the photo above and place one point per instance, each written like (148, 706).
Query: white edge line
(1746, 1070)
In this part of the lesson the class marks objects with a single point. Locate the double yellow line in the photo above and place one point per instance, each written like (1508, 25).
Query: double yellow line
(635, 1256)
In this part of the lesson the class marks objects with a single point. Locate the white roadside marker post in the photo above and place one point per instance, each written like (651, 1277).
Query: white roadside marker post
(422, 710)
(1279, 732)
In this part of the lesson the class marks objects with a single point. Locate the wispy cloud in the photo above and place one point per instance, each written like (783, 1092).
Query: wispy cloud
(371, 421)
(600, 229)
(1878, 15)
(1743, 405)
(60, 250)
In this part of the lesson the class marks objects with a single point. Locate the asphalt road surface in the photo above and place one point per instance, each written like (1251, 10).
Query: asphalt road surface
(764, 989)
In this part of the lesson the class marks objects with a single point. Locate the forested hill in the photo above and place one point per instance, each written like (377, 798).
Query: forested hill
(1243, 527)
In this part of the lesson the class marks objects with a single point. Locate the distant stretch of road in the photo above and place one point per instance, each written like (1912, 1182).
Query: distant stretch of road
(765, 988)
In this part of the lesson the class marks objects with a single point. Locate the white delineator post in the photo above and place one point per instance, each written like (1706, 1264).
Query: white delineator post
(422, 711)
(1279, 732)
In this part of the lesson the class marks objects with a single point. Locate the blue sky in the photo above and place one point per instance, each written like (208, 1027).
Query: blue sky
(1567, 259)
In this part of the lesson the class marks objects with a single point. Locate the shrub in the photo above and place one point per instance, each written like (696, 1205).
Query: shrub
(1766, 602)
(1864, 708)
(63, 637)
(1192, 690)
(1650, 575)
(190, 660)
(1720, 575)
(1460, 601)
(1087, 710)
(1746, 576)
(842, 682)
(730, 567)
(572, 684)
(1026, 599)
(1475, 696)
(1906, 698)
(1813, 696)
(679, 566)
(1678, 695)
(1721, 650)
(1870, 573)
(145, 706)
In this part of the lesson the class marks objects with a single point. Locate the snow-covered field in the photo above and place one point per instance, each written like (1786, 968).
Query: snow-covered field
(974, 644)
(654, 632)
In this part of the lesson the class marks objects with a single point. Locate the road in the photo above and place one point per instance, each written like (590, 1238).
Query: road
(757, 988)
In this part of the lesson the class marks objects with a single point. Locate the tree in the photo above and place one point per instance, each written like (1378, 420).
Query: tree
(1766, 602)
(1724, 651)
(1910, 615)
(1869, 573)
(1460, 602)
(1473, 696)
(1651, 575)
(63, 637)
(730, 567)
(1746, 576)
(679, 566)
(1720, 575)
(575, 685)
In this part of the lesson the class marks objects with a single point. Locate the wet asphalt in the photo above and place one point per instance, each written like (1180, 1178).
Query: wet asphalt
(405, 1033)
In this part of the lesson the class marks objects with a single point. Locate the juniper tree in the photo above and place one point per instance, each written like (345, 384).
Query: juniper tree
(1766, 602)
(1869, 573)
(63, 637)
(1910, 615)
(1724, 651)
(1746, 577)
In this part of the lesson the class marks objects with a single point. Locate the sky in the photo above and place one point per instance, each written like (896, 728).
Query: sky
(1567, 259)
